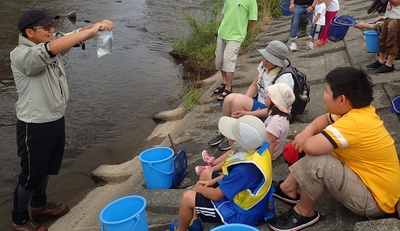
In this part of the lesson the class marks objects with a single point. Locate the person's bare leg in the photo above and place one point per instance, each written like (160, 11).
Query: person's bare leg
(289, 186)
(389, 60)
(223, 73)
(315, 44)
(186, 210)
(382, 57)
(217, 167)
(305, 206)
(222, 158)
(235, 102)
(206, 174)
(229, 80)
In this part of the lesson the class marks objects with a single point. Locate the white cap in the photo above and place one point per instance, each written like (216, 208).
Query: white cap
(249, 131)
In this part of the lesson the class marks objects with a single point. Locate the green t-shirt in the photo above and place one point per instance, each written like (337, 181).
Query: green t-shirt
(236, 17)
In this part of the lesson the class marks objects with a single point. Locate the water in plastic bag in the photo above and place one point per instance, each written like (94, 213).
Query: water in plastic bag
(105, 42)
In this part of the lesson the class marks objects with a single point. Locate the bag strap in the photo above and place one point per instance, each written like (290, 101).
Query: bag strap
(281, 72)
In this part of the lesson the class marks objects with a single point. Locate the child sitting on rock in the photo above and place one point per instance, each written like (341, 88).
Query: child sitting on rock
(279, 99)
(274, 58)
(243, 195)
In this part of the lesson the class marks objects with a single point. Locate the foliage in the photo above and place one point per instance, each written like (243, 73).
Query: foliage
(199, 46)
(197, 49)
(191, 96)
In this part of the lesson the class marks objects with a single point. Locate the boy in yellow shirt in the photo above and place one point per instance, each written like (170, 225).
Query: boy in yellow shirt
(349, 153)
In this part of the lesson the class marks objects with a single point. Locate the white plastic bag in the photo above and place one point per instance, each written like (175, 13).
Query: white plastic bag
(105, 42)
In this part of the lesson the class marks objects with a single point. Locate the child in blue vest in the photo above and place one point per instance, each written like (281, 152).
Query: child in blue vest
(242, 193)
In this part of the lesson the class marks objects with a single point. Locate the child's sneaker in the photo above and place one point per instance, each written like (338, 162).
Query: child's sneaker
(195, 225)
(207, 158)
(293, 46)
(309, 45)
(200, 169)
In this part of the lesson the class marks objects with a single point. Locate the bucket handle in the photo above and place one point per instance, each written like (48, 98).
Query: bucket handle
(133, 228)
(158, 170)
(333, 20)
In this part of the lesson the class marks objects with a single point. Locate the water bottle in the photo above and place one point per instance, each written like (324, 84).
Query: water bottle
(304, 96)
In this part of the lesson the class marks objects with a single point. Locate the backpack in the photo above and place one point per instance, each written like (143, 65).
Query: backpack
(301, 88)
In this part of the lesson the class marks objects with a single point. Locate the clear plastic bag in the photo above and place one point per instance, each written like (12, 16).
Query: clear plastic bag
(105, 42)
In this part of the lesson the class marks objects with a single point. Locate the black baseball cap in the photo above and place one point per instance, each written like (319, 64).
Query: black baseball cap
(34, 18)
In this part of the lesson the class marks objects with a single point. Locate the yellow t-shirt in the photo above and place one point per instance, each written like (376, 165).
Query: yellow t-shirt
(362, 142)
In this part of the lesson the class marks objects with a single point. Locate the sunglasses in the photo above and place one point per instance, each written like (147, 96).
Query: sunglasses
(46, 27)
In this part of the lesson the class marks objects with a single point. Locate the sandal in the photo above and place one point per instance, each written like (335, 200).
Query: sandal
(222, 96)
(220, 89)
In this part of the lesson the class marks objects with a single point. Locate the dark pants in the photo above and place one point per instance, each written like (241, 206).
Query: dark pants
(41, 149)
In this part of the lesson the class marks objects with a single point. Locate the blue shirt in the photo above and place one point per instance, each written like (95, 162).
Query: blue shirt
(241, 177)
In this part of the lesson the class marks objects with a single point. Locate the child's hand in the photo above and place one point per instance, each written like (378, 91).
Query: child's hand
(299, 140)
(238, 114)
(360, 25)
(205, 183)
(201, 183)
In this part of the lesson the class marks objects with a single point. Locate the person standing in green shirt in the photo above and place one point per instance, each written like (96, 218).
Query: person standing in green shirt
(239, 17)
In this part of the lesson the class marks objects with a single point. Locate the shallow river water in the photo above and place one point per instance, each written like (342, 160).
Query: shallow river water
(112, 98)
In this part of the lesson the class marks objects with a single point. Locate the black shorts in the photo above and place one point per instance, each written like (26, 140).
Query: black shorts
(205, 208)
(41, 149)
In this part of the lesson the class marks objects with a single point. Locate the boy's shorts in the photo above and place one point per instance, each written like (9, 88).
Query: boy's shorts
(317, 32)
(324, 172)
(388, 40)
(258, 106)
(226, 54)
(205, 209)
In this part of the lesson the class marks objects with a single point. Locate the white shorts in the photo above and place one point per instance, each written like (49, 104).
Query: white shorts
(226, 54)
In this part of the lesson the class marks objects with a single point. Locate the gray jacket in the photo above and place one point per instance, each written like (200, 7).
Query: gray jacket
(41, 82)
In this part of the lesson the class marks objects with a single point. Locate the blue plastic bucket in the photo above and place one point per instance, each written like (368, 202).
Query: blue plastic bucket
(284, 4)
(158, 166)
(235, 227)
(339, 27)
(371, 39)
(125, 214)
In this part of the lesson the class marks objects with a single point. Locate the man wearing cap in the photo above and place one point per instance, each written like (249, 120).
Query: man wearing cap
(253, 102)
(242, 193)
(42, 88)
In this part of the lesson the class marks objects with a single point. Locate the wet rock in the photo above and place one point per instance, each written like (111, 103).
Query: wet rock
(117, 173)
(72, 14)
(171, 115)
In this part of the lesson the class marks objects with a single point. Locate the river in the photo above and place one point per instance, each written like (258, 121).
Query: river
(112, 98)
